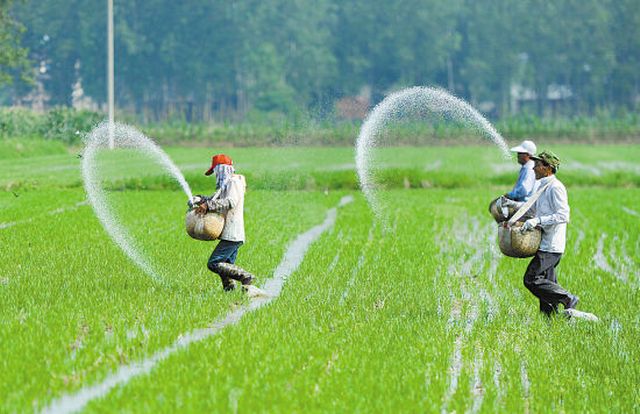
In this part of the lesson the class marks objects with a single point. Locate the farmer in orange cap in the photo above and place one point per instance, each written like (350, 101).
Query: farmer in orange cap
(228, 201)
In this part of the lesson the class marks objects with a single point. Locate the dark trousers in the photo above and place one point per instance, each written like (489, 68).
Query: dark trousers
(225, 252)
(540, 278)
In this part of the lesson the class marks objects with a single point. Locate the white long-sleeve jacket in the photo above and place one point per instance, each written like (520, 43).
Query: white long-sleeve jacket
(230, 203)
(552, 208)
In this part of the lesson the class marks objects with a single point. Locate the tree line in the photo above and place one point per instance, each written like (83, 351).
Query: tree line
(214, 58)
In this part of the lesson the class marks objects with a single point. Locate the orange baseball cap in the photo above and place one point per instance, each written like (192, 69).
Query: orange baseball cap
(218, 159)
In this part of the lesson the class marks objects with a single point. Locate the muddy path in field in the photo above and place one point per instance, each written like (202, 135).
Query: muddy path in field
(479, 296)
(618, 263)
(291, 261)
(469, 248)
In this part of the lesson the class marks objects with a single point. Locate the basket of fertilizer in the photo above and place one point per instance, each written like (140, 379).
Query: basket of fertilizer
(200, 225)
(205, 227)
(516, 243)
(500, 213)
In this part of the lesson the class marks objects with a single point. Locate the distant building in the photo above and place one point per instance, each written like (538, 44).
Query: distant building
(556, 94)
(354, 107)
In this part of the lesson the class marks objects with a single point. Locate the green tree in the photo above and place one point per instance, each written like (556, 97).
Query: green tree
(586, 51)
(53, 37)
(390, 44)
(490, 59)
(624, 81)
(567, 43)
(201, 57)
(13, 57)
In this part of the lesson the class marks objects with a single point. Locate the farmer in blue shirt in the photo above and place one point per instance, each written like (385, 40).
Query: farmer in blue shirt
(526, 185)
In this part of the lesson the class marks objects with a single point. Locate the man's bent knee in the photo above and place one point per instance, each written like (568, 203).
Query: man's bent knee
(529, 281)
(213, 266)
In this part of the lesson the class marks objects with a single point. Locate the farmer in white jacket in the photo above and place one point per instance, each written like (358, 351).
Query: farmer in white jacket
(228, 201)
(550, 212)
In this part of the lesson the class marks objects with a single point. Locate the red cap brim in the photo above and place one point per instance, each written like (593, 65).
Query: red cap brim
(209, 171)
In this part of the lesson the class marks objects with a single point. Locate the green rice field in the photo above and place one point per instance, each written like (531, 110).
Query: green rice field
(426, 316)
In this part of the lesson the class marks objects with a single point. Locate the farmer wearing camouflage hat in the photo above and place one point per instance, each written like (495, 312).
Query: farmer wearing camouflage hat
(228, 201)
(550, 212)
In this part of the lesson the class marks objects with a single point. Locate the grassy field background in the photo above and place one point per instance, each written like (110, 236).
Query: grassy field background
(299, 168)
(427, 316)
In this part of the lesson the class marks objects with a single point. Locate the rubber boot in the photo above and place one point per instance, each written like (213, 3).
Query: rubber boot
(231, 271)
(227, 285)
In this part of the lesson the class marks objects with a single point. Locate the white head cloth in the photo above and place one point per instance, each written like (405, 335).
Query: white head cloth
(224, 174)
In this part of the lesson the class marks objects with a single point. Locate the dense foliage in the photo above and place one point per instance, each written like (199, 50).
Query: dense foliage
(68, 125)
(13, 57)
(217, 59)
(59, 123)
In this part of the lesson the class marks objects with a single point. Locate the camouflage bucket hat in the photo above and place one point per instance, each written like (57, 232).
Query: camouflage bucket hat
(548, 158)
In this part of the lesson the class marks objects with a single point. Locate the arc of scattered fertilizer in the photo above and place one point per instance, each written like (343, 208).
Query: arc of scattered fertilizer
(128, 137)
(416, 98)
(290, 262)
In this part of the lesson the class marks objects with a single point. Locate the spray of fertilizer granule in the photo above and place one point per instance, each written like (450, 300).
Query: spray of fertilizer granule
(413, 100)
(125, 136)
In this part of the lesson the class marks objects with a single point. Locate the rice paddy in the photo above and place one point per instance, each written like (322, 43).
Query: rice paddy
(426, 315)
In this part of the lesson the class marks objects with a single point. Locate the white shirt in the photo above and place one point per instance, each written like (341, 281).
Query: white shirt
(552, 208)
(230, 204)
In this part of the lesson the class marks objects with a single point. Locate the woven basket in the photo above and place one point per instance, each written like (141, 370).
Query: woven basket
(205, 227)
(515, 243)
(497, 212)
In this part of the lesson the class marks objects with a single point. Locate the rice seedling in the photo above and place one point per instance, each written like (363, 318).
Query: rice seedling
(426, 315)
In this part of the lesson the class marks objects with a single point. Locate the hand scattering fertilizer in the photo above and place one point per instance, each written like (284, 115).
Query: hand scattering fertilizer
(125, 137)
